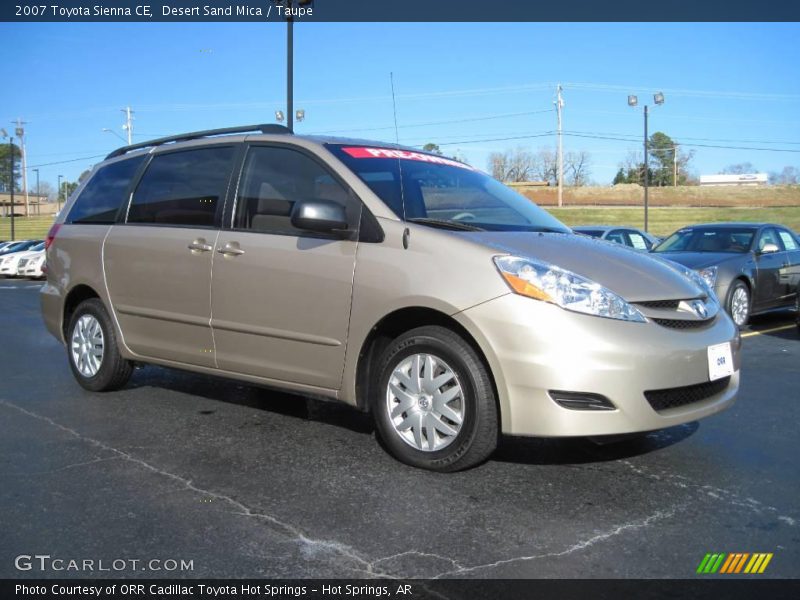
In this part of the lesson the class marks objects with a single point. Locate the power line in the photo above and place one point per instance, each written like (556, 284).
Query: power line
(62, 162)
(447, 122)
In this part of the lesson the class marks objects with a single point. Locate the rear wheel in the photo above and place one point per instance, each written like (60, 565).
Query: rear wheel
(433, 403)
(738, 305)
(92, 347)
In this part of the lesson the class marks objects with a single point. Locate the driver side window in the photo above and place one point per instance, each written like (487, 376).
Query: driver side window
(274, 179)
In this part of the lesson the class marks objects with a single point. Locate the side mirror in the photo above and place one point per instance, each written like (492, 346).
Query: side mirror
(322, 216)
(769, 249)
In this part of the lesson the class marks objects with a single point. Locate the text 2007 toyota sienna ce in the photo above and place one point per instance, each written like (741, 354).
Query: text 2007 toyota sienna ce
(403, 283)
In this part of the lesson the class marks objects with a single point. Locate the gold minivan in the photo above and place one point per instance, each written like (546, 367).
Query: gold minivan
(404, 283)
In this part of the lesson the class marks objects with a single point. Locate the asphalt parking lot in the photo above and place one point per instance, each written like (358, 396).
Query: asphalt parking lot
(247, 482)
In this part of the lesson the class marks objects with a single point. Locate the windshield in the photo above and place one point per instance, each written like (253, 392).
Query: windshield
(708, 239)
(595, 233)
(435, 190)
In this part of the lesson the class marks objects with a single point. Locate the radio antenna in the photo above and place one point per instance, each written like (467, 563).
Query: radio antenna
(399, 163)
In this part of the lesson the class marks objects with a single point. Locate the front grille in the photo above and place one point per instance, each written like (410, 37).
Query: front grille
(681, 396)
(681, 324)
(22, 262)
(661, 304)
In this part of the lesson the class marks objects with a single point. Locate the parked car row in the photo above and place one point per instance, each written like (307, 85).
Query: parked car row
(24, 258)
(753, 268)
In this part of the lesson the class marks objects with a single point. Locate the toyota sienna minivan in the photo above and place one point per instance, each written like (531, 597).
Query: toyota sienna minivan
(404, 283)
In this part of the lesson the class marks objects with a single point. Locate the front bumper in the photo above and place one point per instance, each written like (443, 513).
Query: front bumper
(533, 347)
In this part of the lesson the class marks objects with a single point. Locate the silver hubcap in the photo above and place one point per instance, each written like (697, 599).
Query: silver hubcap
(425, 402)
(740, 305)
(87, 346)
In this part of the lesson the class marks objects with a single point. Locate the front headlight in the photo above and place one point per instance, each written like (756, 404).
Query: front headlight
(543, 281)
(709, 275)
(704, 281)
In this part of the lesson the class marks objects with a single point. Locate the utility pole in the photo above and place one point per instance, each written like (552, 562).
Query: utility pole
(559, 107)
(289, 70)
(675, 165)
(58, 196)
(128, 127)
(20, 131)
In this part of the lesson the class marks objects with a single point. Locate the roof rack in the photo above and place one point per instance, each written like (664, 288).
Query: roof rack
(263, 128)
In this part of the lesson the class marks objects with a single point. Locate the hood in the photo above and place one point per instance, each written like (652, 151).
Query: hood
(633, 275)
(701, 260)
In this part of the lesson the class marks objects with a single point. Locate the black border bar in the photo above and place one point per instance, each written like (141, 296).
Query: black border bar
(402, 11)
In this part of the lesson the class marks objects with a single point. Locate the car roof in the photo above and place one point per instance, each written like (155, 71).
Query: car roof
(267, 132)
(736, 225)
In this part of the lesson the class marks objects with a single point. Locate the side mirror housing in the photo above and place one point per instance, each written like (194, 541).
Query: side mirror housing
(322, 216)
(769, 249)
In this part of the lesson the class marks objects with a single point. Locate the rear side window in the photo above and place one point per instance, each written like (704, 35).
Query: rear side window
(104, 193)
(788, 240)
(183, 188)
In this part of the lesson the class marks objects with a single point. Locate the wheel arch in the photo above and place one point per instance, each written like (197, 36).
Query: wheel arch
(395, 324)
(72, 300)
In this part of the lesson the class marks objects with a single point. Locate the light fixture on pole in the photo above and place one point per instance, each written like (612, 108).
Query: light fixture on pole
(279, 116)
(300, 114)
(633, 101)
(112, 132)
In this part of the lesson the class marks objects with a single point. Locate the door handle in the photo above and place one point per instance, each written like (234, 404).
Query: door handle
(199, 245)
(231, 249)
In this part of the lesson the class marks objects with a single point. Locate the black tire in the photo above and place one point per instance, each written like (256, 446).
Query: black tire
(477, 437)
(737, 287)
(114, 370)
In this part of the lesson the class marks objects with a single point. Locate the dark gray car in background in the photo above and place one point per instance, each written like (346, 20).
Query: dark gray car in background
(753, 267)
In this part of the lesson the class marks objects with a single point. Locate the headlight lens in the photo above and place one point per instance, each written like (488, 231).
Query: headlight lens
(543, 281)
(709, 275)
(705, 281)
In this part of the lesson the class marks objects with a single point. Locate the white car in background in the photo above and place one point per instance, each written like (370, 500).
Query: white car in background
(9, 263)
(31, 266)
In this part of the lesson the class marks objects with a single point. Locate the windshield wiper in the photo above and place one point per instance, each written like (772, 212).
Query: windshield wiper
(445, 224)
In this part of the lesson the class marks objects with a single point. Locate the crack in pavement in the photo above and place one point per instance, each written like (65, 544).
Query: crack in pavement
(711, 491)
(578, 546)
(310, 545)
(381, 567)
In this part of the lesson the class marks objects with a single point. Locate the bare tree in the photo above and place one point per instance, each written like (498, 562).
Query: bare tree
(546, 166)
(512, 165)
(739, 169)
(576, 167)
(788, 176)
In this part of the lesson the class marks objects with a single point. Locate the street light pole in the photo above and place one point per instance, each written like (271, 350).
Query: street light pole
(11, 178)
(658, 99)
(289, 70)
(646, 168)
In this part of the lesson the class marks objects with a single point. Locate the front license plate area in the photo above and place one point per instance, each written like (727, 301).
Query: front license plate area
(720, 361)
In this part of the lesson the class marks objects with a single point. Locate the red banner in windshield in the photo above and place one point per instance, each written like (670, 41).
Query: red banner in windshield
(362, 152)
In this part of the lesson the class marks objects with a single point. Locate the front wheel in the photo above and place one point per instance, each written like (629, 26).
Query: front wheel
(433, 401)
(738, 305)
(94, 356)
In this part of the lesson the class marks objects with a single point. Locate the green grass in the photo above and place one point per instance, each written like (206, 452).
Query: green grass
(25, 228)
(663, 221)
